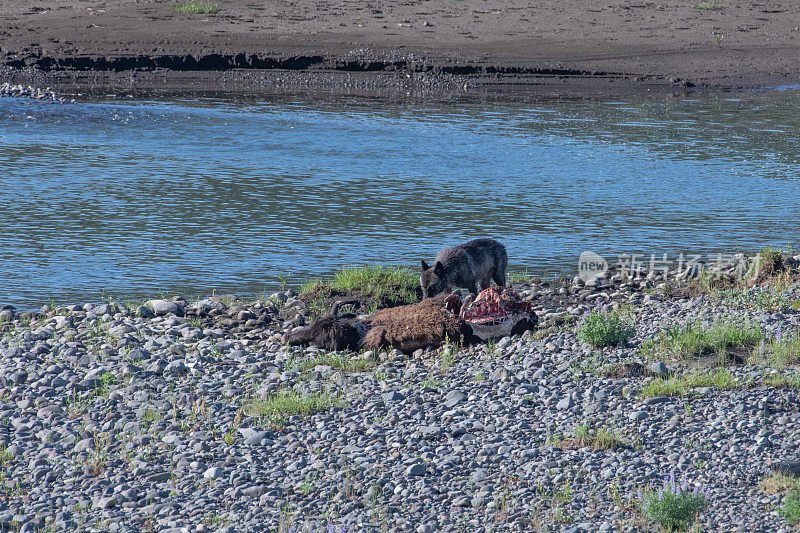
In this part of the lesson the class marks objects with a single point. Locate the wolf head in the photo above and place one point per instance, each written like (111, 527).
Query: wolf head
(432, 279)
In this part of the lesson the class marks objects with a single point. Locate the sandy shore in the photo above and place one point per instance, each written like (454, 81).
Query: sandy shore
(548, 47)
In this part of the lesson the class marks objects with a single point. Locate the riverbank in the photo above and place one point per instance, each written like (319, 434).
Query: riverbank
(551, 48)
(178, 416)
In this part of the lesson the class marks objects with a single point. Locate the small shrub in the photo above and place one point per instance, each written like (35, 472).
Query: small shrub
(673, 507)
(791, 508)
(196, 7)
(601, 329)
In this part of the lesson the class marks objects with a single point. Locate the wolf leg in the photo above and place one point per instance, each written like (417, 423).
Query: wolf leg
(499, 278)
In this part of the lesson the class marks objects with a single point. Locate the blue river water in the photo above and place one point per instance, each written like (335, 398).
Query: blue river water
(211, 194)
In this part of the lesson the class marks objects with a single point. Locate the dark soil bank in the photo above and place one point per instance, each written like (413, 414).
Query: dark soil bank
(573, 48)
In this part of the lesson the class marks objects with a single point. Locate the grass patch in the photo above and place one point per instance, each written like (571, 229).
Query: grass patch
(337, 360)
(518, 277)
(5, 455)
(695, 340)
(711, 5)
(768, 262)
(791, 508)
(771, 294)
(779, 351)
(583, 437)
(601, 329)
(292, 403)
(779, 483)
(673, 507)
(782, 381)
(683, 385)
(377, 286)
(431, 383)
(196, 7)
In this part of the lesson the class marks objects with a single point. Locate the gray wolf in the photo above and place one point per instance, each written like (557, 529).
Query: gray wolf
(472, 265)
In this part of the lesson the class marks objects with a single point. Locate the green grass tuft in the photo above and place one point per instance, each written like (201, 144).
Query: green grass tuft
(383, 285)
(778, 352)
(431, 383)
(602, 439)
(292, 403)
(518, 277)
(337, 360)
(601, 329)
(5, 455)
(779, 483)
(196, 7)
(683, 385)
(791, 508)
(710, 5)
(782, 381)
(694, 340)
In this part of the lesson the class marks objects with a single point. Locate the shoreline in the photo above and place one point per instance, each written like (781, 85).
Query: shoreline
(586, 50)
(335, 82)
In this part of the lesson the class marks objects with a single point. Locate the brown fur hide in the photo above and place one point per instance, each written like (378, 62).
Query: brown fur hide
(419, 325)
(331, 332)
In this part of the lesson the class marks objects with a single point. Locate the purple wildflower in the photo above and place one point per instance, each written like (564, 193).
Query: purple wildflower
(778, 333)
(761, 347)
(660, 494)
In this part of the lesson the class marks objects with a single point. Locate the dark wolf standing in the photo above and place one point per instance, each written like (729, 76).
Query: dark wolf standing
(472, 265)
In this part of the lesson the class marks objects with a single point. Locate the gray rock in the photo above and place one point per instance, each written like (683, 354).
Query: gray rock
(145, 312)
(393, 396)
(256, 438)
(166, 307)
(658, 368)
(212, 473)
(565, 403)
(176, 367)
(417, 469)
(452, 398)
(84, 445)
